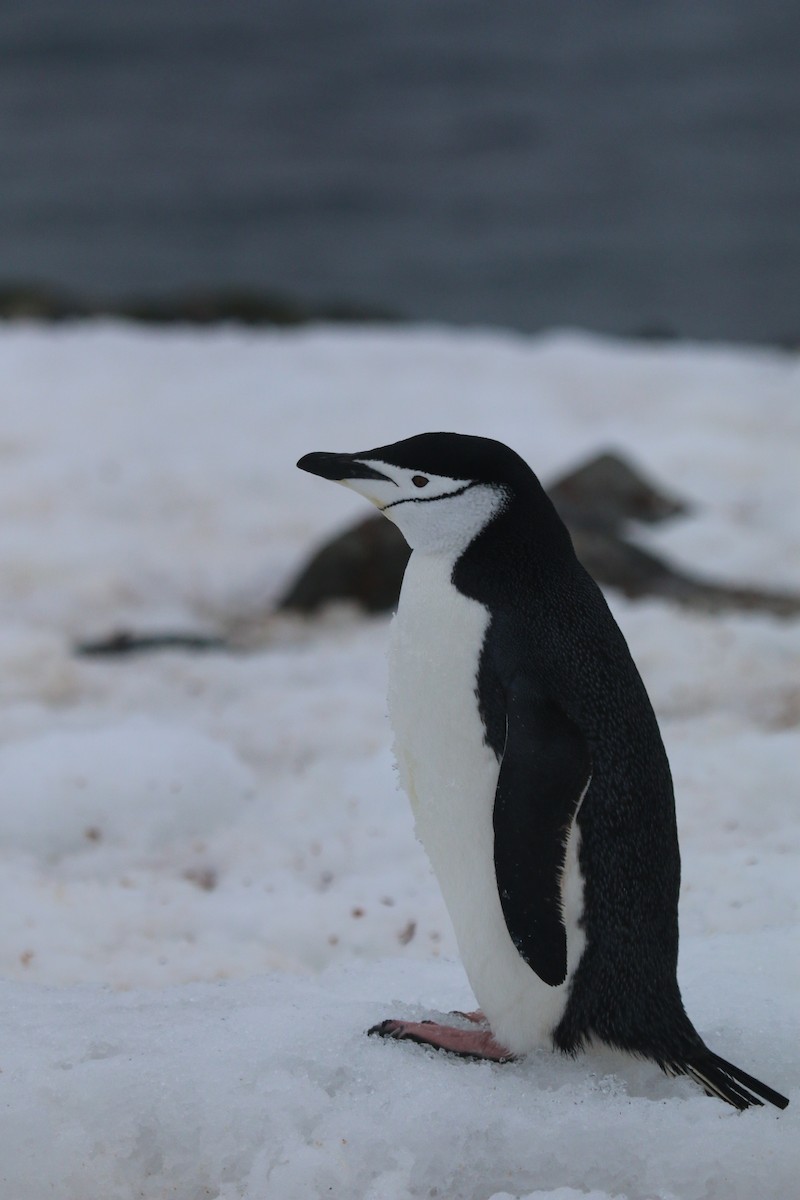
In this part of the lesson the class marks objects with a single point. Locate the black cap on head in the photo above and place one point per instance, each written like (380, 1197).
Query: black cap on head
(457, 455)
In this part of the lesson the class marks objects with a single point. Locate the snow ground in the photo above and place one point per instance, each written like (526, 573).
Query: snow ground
(210, 886)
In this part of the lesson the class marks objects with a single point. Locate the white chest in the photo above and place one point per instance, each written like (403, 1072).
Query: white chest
(437, 638)
(450, 776)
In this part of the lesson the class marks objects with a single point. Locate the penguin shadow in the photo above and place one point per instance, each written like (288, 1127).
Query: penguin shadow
(620, 1076)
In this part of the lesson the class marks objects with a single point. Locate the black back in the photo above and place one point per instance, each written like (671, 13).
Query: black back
(551, 623)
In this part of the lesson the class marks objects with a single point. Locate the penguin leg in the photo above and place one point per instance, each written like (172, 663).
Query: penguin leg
(468, 1043)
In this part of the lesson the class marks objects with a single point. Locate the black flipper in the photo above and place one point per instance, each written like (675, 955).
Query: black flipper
(544, 771)
(720, 1078)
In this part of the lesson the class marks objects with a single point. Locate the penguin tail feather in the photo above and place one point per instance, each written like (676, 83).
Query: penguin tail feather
(720, 1078)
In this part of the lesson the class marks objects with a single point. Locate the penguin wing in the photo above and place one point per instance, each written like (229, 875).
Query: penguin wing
(543, 773)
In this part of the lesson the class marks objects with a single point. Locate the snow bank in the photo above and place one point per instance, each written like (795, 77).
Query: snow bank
(268, 1087)
(136, 784)
(209, 885)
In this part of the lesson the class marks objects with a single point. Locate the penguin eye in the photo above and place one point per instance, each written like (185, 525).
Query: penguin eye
(419, 480)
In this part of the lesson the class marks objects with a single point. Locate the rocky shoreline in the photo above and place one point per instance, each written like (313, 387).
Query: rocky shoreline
(190, 306)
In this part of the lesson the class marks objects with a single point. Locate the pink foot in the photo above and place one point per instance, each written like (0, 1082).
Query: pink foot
(465, 1042)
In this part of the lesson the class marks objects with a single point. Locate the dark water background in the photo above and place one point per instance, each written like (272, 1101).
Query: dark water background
(617, 166)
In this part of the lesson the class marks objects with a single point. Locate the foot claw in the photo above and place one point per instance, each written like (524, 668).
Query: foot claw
(393, 1029)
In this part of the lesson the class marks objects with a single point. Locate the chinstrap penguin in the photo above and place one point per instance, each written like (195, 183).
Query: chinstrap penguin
(533, 761)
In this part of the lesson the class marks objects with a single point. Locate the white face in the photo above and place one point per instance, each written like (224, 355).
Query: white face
(434, 513)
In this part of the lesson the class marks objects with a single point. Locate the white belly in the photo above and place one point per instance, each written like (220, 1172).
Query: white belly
(450, 776)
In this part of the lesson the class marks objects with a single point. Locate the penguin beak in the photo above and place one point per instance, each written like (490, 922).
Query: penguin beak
(339, 467)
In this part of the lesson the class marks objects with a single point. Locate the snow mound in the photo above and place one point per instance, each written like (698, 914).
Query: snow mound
(269, 1087)
(137, 784)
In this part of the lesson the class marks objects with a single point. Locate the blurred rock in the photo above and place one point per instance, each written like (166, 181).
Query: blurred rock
(32, 302)
(243, 306)
(195, 306)
(122, 641)
(364, 565)
(607, 490)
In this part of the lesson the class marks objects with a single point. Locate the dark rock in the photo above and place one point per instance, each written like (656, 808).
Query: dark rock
(124, 642)
(201, 307)
(617, 563)
(365, 565)
(196, 306)
(607, 490)
(34, 302)
(243, 306)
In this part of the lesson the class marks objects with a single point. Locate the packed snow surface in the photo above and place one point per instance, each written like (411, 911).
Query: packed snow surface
(210, 884)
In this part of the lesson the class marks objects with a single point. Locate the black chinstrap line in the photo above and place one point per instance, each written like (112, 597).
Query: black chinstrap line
(432, 499)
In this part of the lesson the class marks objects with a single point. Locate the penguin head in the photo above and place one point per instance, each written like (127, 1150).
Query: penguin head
(440, 489)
